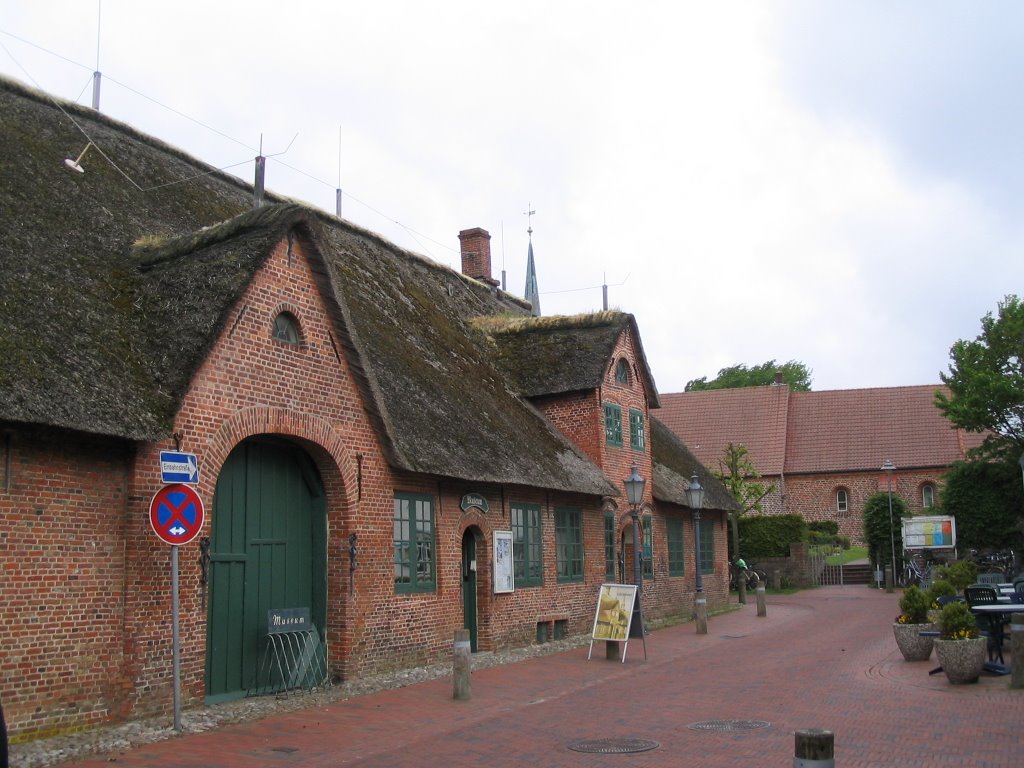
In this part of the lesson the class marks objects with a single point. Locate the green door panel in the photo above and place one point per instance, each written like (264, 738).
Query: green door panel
(268, 550)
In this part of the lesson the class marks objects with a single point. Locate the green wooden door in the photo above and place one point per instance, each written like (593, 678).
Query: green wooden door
(268, 550)
(469, 588)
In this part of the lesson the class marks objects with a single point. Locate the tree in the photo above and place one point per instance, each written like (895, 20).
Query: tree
(986, 382)
(985, 498)
(739, 475)
(795, 374)
(880, 537)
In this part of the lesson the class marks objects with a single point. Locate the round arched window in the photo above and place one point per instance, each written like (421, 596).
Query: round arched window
(622, 371)
(286, 328)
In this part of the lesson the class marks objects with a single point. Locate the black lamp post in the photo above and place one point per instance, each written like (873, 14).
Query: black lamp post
(695, 499)
(635, 485)
(888, 467)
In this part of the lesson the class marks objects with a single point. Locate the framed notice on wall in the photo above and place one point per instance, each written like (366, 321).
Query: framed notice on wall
(504, 577)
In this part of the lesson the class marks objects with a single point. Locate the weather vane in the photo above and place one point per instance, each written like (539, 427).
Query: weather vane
(529, 213)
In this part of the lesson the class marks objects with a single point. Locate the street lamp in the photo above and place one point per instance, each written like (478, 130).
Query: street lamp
(888, 467)
(695, 500)
(635, 494)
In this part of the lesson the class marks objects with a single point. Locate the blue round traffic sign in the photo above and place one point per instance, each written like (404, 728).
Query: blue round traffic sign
(176, 514)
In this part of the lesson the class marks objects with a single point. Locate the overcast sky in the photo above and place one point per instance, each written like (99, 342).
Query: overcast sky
(839, 183)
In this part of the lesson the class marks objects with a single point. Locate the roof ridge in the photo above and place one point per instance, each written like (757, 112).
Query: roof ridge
(509, 324)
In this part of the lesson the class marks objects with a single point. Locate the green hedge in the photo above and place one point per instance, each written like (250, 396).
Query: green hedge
(770, 535)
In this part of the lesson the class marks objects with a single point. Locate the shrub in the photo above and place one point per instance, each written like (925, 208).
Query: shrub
(914, 606)
(960, 574)
(956, 622)
(770, 536)
(940, 588)
(830, 527)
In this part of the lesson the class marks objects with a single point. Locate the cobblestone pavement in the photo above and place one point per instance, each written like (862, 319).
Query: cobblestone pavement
(822, 658)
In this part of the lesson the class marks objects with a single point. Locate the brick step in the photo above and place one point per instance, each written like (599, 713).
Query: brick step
(858, 573)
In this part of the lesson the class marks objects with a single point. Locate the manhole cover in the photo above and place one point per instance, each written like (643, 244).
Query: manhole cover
(613, 746)
(728, 725)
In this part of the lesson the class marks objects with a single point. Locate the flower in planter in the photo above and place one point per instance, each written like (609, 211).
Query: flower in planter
(956, 622)
(913, 606)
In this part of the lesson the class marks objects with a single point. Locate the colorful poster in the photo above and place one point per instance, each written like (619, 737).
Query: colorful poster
(614, 612)
(504, 578)
(930, 532)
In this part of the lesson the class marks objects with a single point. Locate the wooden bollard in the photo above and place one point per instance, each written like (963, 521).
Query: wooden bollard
(741, 590)
(1017, 649)
(462, 687)
(888, 578)
(700, 606)
(762, 609)
(815, 748)
(776, 579)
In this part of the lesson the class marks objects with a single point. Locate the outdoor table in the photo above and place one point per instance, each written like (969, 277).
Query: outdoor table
(1001, 609)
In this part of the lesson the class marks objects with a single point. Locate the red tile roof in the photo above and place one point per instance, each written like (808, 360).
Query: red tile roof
(829, 431)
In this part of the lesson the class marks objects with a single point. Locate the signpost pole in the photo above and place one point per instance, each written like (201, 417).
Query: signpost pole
(175, 650)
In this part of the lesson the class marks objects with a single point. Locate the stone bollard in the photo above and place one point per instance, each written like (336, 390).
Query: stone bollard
(888, 578)
(1017, 650)
(762, 610)
(776, 579)
(462, 668)
(814, 748)
(701, 610)
(741, 589)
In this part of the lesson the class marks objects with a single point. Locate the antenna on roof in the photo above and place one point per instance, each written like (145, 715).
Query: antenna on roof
(604, 291)
(337, 191)
(76, 164)
(503, 256)
(261, 172)
(96, 76)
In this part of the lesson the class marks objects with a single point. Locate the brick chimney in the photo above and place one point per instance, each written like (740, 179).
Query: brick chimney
(476, 255)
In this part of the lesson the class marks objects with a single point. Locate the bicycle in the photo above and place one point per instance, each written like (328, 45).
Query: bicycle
(751, 578)
(913, 573)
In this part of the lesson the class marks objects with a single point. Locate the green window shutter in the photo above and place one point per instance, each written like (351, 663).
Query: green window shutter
(569, 544)
(647, 554)
(676, 546)
(707, 547)
(527, 545)
(414, 546)
(613, 424)
(637, 433)
(609, 545)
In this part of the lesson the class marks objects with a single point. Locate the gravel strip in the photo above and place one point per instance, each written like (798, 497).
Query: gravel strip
(118, 738)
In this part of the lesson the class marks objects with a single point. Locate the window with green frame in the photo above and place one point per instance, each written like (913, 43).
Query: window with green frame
(612, 424)
(413, 536)
(609, 545)
(637, 435)
(647, 554)
(568, 544)
(707, 546)
(527, 545)
(676, 548)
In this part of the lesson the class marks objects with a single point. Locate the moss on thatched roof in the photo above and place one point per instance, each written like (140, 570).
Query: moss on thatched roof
(674, 465)
(111, 297)
(558, 354)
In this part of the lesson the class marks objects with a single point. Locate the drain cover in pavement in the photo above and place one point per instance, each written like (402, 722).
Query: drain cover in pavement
(613, 746)
(728, 725)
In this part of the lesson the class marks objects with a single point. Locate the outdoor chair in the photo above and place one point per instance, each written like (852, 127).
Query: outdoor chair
(944, 600)
(991, 626)
(1018, 592)
(992, 577)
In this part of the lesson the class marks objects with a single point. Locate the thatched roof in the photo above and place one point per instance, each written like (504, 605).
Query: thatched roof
(111, 297)
(559, 354)
(674, 465)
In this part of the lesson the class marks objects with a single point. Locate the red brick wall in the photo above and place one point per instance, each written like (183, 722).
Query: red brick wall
(63, 508)
(813, 497)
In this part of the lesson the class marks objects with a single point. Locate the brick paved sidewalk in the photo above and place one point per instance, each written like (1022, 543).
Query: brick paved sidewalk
(822, 658)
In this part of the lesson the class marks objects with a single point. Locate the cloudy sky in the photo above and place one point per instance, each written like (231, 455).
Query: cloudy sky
(839, 183)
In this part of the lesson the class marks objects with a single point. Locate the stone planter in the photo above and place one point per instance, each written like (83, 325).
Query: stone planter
(911, 644)
(961, 660)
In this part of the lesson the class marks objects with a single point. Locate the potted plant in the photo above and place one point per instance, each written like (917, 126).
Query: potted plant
(959, 648)
(939, 588)
(913, 619)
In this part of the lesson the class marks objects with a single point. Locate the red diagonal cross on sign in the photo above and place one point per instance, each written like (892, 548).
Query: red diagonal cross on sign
(176, 514)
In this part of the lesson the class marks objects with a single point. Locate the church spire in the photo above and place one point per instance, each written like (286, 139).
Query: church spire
(532, 293)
